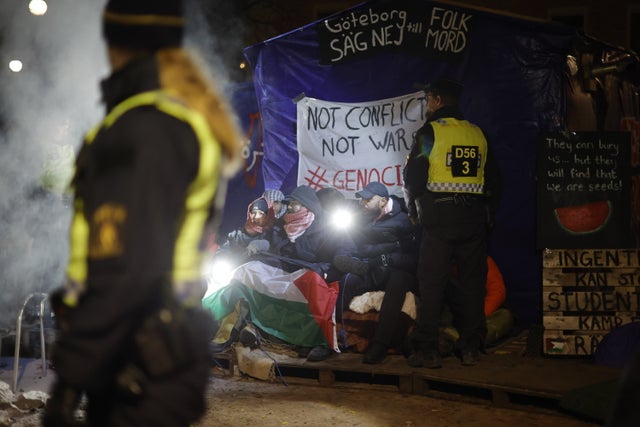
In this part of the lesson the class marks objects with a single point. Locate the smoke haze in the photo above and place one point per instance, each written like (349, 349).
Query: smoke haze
(45, 109)
(48, 105)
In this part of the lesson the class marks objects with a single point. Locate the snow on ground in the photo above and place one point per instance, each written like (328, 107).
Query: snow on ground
(22, 407)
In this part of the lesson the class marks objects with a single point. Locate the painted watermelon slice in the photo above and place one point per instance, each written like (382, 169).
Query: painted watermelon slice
(584, 219)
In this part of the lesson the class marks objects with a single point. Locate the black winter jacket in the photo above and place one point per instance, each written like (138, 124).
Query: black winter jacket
(318, 245)
(392, 236)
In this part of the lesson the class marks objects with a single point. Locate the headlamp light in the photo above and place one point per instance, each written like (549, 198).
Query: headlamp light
(218, 272)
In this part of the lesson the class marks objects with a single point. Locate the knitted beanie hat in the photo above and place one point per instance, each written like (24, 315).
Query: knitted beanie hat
(275, 196)
(144, 24)
(260, 204)
(306, 197)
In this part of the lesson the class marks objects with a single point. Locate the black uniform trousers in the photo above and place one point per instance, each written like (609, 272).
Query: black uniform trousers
(455, 236)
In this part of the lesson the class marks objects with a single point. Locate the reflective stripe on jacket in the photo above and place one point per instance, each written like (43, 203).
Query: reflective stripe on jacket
(198, 200)
(457, 159)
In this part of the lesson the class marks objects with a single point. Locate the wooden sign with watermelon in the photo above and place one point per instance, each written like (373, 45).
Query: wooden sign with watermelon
(583, 190)
(584, 219)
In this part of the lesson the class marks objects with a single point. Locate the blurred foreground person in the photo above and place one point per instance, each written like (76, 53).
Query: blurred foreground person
(132, 337)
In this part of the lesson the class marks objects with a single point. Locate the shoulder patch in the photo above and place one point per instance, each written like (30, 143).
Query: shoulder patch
(107, 230)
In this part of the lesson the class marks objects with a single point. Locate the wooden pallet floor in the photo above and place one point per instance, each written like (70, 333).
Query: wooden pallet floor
(502, 376)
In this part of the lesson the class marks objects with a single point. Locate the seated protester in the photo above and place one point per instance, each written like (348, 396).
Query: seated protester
(337, 207)
(255, 234)
(387, 248)
(330, 198)
(499, 320)
(306, 241)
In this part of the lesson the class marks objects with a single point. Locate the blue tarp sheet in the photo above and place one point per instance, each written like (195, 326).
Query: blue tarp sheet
(512, 71)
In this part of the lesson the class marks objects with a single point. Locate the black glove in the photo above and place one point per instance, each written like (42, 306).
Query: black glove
(348, 264)
(383, 260)
(289, 250)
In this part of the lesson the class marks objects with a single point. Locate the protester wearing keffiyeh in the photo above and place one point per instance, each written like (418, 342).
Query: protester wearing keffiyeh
(260, 217)
(259, 224)
(296, 223)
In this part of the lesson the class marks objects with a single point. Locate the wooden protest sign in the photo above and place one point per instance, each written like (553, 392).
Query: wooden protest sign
(585, 294)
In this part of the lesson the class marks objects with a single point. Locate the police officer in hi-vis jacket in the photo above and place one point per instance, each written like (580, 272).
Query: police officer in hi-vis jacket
(451, 187)
(132, 336)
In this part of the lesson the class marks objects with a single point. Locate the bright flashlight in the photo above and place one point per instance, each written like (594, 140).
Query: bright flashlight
(342, 219)
(218, 273)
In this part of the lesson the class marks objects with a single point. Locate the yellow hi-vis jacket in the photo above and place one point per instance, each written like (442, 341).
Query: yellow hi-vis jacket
(457, 159)
(196, 209)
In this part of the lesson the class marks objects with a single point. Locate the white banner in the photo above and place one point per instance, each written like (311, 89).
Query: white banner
(348, 145)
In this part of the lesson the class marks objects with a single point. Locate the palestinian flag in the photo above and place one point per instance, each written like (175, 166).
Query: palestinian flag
(296, 307)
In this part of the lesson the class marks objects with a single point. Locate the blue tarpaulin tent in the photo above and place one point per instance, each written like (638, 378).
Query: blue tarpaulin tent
(513, 72)
(248, 184)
